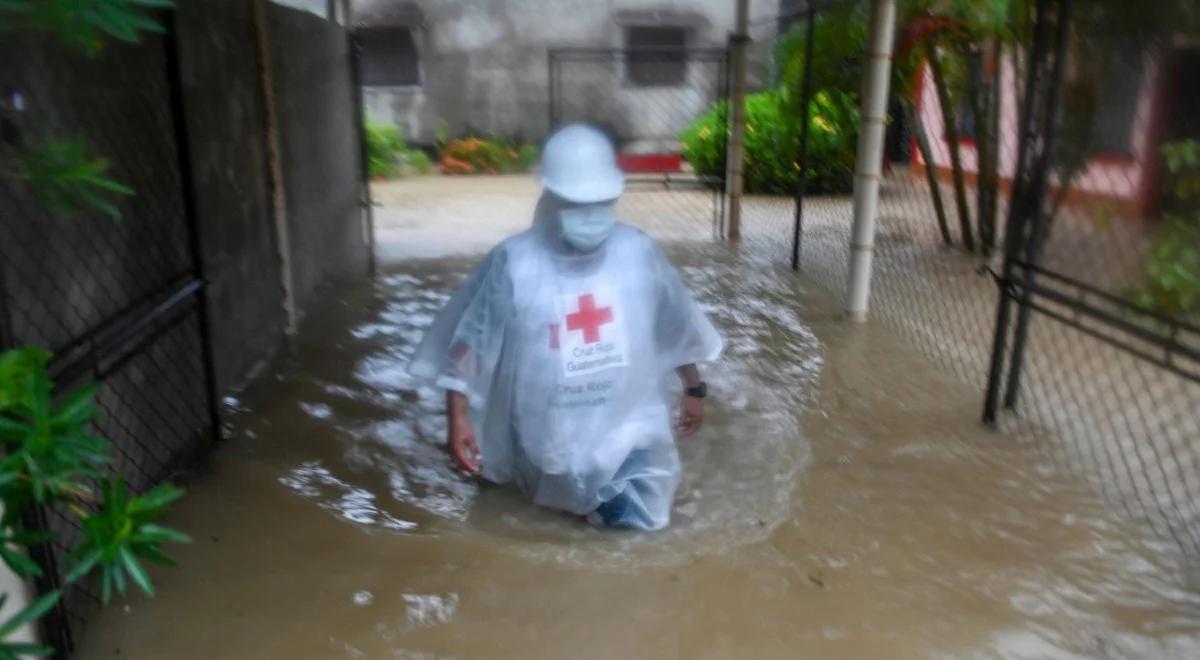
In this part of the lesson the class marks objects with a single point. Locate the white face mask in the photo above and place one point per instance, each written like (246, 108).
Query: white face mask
(585, 227)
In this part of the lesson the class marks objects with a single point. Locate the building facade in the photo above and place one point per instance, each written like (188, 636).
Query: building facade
(481, 66)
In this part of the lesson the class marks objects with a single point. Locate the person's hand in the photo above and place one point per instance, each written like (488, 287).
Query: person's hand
(691, 415)
(461, 438)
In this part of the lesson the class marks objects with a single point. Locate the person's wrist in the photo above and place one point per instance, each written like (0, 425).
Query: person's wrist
(698, 391)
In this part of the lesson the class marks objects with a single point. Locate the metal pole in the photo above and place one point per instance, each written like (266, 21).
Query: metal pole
(1041, 181)
(364, 167)
(1017, 214)
(191, 218)
(805, 100)
(734, 179)
(869, 159)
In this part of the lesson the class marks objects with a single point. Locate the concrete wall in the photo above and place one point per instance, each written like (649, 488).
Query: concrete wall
(219, 63)
(319, 148)
(484, 62)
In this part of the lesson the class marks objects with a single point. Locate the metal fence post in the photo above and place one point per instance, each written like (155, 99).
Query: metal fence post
(1040, 182)
(354, 51)
(188, 194)
(1021, 208)
(805, 101)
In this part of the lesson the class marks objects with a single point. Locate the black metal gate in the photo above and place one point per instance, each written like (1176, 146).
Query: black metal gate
(645, 98)
(117, 300)
(1112, 374)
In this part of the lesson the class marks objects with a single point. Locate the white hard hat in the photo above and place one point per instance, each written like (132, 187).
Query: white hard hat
(579, 165)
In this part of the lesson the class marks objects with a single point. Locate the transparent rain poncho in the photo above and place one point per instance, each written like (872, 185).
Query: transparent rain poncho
(567, 360)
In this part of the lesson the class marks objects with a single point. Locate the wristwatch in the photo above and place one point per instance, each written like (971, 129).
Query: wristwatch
(698, 392)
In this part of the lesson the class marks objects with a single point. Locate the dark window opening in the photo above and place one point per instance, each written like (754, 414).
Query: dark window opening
(1118, 91)
(974, 83)
(388, 57)
(651, 69)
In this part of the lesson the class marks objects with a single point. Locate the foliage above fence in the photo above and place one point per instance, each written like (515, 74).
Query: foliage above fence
(84, 24)
(772, 142)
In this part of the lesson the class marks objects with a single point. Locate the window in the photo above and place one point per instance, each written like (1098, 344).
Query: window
(1118, 91)
(966, 116)
(661, 69)
(389, 57)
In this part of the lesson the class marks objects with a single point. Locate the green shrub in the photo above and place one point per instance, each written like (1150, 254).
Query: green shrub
(773, 143)
(51, 458)
(389, 156)
(527, 156)
(418, 161)
(1171, 273)
(385, 144)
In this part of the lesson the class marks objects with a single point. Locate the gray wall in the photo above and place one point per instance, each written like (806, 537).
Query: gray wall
(484, 61)
(225, 116)
(319, 148)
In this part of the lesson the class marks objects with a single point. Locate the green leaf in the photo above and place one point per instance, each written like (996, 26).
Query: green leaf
(19, 562)
(157, 498)
(151, 553)
(106, 582)
(110, 185)
(78, 408)
(31, 613)
(136, 572)
(118, 576)
(85, 565)
(23, 650)
(157, 533)
(10, 427)
(38, 390)
(17, 6)
(28, 538)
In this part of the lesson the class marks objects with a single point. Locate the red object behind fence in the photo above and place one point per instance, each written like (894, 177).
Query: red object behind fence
(647, 163)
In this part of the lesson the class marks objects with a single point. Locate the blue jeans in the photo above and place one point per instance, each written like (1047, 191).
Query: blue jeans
(636, 505)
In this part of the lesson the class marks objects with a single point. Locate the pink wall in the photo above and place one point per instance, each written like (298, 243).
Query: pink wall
(1115, 177)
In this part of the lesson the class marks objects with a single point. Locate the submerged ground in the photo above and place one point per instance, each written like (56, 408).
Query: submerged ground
(838, 503)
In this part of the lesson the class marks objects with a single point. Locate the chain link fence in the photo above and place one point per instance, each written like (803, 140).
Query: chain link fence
(115, 299)
(1100, 363)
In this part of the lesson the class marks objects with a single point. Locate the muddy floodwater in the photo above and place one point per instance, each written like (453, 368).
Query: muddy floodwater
(841, 502)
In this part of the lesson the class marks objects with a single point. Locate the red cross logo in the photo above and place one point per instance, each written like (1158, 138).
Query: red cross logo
(589, 319)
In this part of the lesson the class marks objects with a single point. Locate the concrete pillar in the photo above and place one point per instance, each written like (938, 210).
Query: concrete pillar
(869, 160)
(737, 119)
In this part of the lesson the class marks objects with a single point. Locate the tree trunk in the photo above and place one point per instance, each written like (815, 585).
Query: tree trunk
(935, 190)
(997, 138)
(949, 120)
(984, 108)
